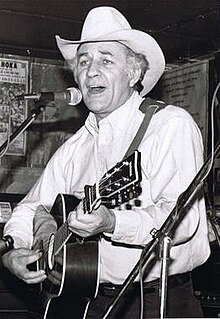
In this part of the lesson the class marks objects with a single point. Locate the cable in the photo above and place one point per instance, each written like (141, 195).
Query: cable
(214, 100)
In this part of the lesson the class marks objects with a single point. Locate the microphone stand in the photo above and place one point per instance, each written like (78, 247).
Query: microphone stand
(165, 257)
(39, 108)
(163, 232)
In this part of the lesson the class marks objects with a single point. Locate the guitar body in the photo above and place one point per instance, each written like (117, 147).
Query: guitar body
(76, 263)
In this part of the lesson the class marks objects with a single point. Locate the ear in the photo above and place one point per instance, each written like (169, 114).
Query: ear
(134, 75)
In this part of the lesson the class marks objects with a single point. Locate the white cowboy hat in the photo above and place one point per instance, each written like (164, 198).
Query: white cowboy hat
(108, 24)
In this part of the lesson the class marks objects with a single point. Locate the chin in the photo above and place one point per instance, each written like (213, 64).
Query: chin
(96, 102)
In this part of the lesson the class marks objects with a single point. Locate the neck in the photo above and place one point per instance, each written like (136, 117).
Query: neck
(100, 116)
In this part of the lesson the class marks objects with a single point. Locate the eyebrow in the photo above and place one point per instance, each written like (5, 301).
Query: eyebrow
(82, 54)
(106, 53)
(102, 52)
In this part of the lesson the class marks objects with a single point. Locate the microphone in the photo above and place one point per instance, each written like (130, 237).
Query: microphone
(72, 96)
(6, 244)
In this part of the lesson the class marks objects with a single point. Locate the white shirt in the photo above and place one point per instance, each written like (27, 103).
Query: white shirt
(171, 155)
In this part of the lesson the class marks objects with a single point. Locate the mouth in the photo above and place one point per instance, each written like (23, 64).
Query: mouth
(96, 89)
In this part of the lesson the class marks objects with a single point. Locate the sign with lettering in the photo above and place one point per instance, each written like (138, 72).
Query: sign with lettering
(13, 82)
(187, 86)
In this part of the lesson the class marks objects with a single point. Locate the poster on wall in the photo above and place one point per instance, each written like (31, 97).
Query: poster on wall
(13, 82)
(187, 86)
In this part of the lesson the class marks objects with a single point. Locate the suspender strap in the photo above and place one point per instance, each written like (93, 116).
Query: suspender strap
(149, 107)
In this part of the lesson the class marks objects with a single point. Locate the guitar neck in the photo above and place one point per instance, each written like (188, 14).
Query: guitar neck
(61, 237)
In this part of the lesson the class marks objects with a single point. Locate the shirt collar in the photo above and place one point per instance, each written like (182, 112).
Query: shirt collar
(122, 113)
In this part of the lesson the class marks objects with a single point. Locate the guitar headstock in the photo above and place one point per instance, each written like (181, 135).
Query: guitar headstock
(119, 185)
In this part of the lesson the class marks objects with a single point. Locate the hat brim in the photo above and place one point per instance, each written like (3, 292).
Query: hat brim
(137, 41)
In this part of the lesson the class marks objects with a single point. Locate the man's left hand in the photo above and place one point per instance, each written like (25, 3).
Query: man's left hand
(83, 224)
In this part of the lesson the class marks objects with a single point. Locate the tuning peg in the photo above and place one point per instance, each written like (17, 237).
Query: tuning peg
(128, 206)
(137, 202)
(137, 190)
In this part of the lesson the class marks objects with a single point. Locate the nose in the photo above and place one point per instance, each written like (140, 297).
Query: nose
(93, 69)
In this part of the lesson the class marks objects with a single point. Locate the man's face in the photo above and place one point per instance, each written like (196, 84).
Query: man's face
(104, 76)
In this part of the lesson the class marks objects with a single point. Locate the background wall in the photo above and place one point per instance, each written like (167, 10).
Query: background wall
(18, 172)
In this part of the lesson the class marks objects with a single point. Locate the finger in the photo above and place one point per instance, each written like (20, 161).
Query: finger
(34, 277)
(71, 218)
(55, 278)
(27, 254)
(37, 245)
(55, 274)
(31, 257)
(30, 276)
(80, 209)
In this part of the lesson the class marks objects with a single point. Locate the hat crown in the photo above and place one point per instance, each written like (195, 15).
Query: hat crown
(108, 24)
(101, 21)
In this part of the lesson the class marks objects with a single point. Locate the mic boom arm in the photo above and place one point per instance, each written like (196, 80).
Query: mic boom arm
(72, 96)
(24, 125)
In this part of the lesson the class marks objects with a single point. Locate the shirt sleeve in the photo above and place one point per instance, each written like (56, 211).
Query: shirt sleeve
(170, 161)
(42, 194)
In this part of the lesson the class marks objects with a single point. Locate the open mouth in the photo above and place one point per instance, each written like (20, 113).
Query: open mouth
(96, 89)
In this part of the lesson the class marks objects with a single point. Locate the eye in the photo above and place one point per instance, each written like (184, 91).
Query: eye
(83, 62)
(107, 61)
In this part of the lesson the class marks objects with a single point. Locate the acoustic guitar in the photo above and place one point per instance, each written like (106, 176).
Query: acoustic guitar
(75, 259)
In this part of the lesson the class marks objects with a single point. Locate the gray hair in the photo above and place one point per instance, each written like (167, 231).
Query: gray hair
(139, 61)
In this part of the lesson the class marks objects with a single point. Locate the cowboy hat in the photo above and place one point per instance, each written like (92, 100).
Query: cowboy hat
(108, 24)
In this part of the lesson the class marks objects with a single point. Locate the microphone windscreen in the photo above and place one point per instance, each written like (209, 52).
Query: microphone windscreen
(75, 96)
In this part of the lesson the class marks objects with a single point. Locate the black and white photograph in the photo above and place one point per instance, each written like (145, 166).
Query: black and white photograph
(109, 159)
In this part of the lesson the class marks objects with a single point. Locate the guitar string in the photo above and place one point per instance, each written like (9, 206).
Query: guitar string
(50, 245)
(63, 232)
(60, 237)
(106, 177)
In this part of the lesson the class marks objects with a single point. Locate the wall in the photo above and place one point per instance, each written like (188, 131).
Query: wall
(23, 163)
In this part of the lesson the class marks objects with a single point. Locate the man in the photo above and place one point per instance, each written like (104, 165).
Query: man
(115, 66)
